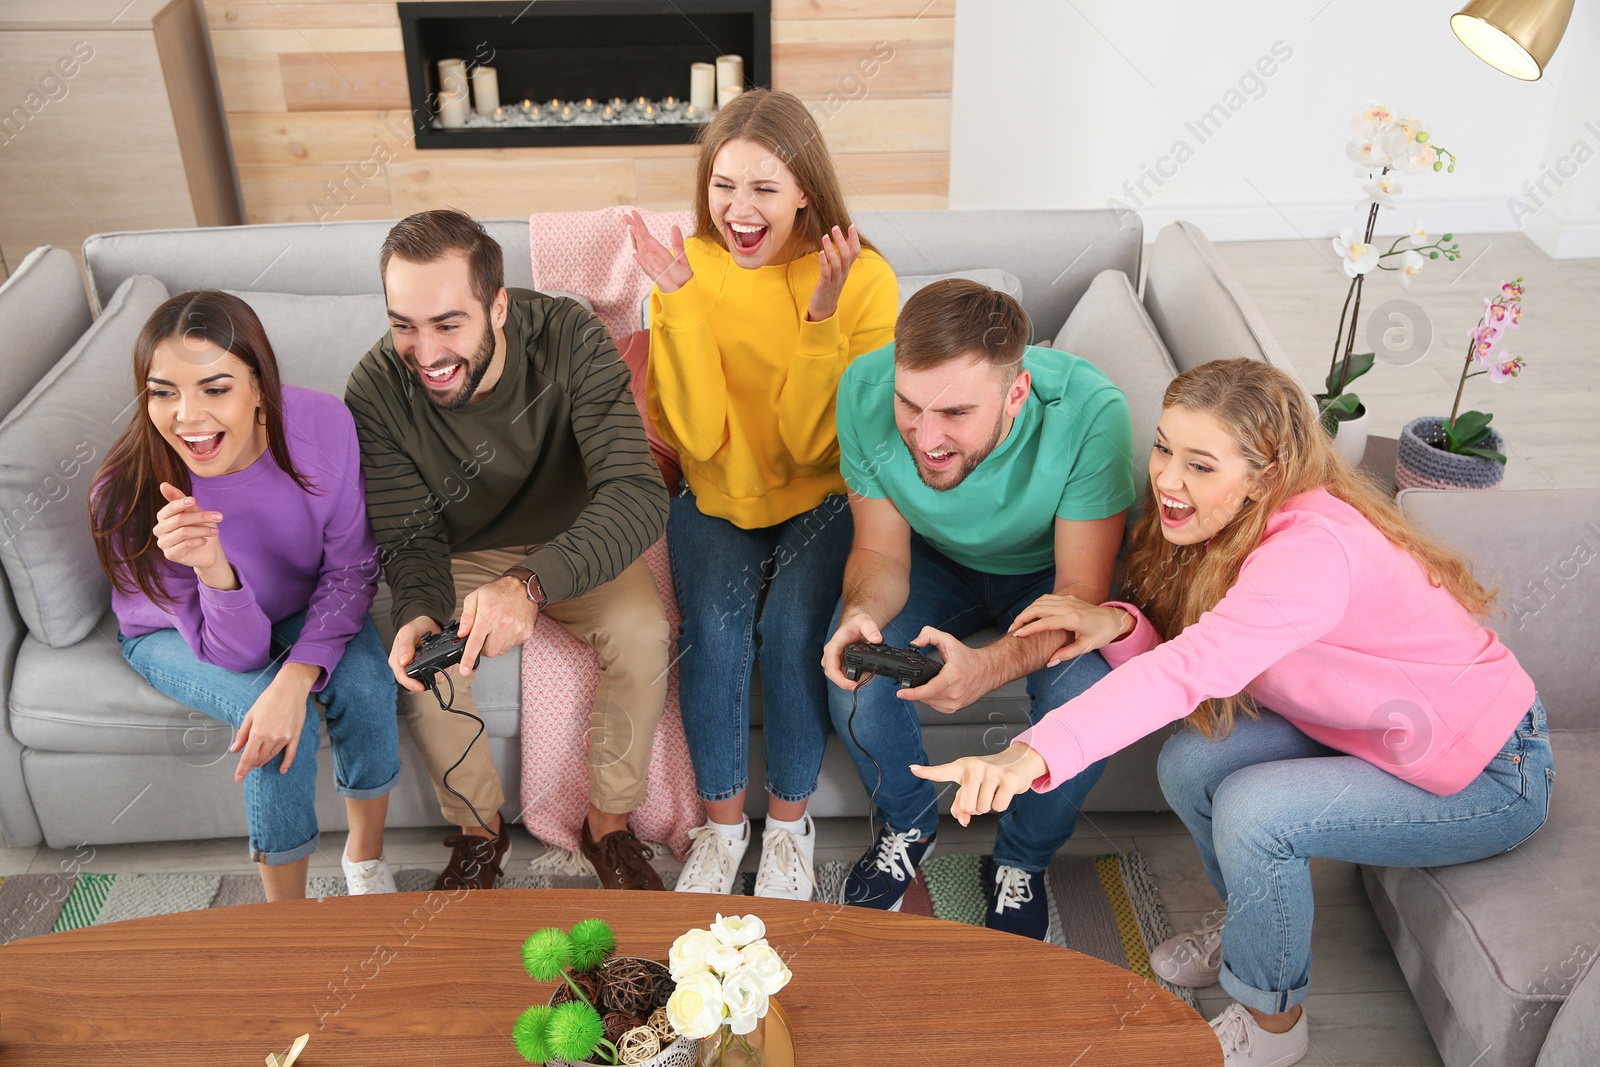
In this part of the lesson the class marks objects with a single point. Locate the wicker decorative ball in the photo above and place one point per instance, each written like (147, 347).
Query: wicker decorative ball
(639, 1045)
(629, 985)
(589, 982)
(618, 1023)
(662, 1026)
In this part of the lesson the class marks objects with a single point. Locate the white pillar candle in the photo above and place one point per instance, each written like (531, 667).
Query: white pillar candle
(485, 89)
(702, 86)
(730, 78)
(453, 99)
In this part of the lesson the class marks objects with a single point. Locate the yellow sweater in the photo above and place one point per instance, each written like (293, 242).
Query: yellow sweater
(744, 388)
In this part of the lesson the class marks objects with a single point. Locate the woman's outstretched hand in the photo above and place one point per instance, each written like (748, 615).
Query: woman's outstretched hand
(839, 253)
(1090, 626)
(668, 268)
(186, 533)
(987, 783)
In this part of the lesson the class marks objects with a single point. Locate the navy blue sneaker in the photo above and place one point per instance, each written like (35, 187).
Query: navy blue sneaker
(881, 877)
(1017, 901)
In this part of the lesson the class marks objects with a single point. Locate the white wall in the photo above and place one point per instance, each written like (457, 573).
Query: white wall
(1069, 103)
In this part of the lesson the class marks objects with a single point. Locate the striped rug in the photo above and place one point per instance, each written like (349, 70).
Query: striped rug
(1104, 906)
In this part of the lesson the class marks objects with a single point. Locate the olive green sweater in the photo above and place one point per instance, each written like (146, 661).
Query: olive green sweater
(556, 456)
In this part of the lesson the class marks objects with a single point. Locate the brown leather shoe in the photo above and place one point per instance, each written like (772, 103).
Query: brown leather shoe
(475, 862)
(621, 860)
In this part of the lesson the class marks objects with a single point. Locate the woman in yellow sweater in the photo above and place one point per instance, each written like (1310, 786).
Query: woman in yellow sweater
(752, 321)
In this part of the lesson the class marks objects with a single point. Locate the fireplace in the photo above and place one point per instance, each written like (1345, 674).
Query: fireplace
(545, 73)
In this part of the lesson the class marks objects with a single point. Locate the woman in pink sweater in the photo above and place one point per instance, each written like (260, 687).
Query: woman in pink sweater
(1343, 697)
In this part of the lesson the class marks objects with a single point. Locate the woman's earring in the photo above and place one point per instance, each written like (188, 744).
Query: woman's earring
(261, 416)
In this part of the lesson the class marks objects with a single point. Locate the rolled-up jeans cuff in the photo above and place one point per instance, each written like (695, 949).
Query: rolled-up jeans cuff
(278, 859)
(369, 794)
(791, 798)
(1265, 1001)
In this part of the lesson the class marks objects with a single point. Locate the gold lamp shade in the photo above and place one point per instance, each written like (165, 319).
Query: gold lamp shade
(1514, 36)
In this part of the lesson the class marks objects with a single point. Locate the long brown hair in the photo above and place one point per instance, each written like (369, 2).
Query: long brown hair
(127, 494)
(1271, 421)
(780, 123)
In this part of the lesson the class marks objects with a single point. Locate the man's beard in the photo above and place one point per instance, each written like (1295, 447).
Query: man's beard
(476, 367)
(968, 464)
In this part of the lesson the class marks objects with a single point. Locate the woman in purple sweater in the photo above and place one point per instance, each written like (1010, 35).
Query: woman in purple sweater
(231, 519)
(1344, 698)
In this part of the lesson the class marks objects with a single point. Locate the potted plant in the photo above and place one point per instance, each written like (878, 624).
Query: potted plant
(1464, 451)
(1383, 145)
(610, 1009)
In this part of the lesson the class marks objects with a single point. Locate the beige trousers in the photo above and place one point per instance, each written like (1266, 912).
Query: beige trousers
(625, 624)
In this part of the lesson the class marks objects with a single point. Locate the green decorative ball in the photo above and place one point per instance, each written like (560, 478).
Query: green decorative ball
(1449, 237)
(1439, 166)
(575, 1029)
(531, 1032)
(1433, 255)
(593, 942)
(547, 953)
(1422, 137)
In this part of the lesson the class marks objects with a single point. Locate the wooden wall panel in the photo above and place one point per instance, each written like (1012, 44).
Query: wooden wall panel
(315, 92)
(348, 81)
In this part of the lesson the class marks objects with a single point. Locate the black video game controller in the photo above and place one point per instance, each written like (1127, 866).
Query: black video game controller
(909, 668)
(436, 652)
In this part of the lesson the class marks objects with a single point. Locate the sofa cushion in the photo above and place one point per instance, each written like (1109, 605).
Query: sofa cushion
(1200, 308)
(1110, 329)
(1004, 281)
(319, 339)
(51, 446)
(86, 698)
(43, 312)
(1489, 947)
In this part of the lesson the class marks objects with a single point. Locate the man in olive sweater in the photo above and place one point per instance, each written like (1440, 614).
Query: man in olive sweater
(507, 475)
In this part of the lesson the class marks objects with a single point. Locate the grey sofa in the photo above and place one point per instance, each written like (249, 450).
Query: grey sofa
(1500, 954)
(89, 753)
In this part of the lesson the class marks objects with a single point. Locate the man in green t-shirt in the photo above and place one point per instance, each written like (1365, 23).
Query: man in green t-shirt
(984, 474)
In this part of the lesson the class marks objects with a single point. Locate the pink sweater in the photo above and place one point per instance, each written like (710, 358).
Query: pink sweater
(1332, 626)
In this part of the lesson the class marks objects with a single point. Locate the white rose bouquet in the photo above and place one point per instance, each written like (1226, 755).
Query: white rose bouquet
(725, 977)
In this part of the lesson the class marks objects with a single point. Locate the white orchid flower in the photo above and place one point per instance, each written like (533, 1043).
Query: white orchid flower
(1372, 114)
(1367, 152)
(1359, 257)
(1411, 264)
(1415, 159)
(1418, 234)
(1381, 192)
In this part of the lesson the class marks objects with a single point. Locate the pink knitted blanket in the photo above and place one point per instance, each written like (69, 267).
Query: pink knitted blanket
(588, 252)
(559, 676)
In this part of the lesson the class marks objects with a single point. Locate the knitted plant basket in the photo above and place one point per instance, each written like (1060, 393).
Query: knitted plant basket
(1421, 464)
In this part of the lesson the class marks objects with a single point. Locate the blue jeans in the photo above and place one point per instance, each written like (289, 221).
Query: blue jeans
(749, 595)
(960, 601)
(281, 809)
(1263, 801)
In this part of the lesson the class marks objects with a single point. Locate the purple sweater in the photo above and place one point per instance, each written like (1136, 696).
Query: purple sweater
(292, 550)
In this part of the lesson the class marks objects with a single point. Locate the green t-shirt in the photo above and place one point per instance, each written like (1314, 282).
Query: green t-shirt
(1068, 455)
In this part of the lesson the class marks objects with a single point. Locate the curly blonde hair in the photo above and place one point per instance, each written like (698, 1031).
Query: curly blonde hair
(1278, 432)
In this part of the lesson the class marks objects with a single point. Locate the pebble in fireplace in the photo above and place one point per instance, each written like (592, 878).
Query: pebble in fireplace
(578, 72)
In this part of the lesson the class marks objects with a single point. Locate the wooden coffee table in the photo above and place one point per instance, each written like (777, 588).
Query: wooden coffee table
(419, 978)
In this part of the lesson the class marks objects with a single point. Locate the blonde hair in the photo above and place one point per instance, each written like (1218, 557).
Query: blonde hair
(1274, 426)
(780, 123)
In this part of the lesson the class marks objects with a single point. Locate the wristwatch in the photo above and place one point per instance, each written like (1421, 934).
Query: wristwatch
(530, 582)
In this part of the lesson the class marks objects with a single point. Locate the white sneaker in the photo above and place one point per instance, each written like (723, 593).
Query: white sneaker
(785, 870)
(367, 876)
(1193, 959)
(713, 864)
(1245, 1044)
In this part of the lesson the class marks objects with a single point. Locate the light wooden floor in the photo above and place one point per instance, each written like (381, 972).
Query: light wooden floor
(1548, 414)
(1361, 1012)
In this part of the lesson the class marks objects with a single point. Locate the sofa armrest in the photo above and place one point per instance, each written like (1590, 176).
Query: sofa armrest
(1575, 1034)
(19, 825)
